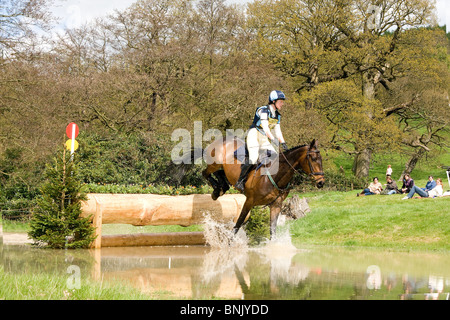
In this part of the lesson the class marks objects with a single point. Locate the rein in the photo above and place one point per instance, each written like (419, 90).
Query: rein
(282, 190)
(319, 173)
(312, 173)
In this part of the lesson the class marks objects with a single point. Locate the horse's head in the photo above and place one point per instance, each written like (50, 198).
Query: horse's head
(313, 164)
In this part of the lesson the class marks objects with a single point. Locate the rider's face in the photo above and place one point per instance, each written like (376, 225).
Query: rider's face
(279, 104)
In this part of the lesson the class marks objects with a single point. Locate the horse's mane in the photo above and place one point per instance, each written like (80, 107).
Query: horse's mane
(295, 148)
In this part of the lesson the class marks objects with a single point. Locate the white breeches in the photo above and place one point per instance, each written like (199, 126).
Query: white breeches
(256, 144)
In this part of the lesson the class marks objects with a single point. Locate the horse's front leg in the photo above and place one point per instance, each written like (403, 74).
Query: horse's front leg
(274, 213)
(245, 210)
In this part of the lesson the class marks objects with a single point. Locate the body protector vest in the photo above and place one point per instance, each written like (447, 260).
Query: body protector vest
(264, 113)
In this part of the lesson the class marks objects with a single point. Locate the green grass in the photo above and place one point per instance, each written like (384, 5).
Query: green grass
(15, 226)
(342, 219)
(41, 286)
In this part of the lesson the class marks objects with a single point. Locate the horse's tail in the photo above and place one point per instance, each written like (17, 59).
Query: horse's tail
(178, 169)
(195, 154)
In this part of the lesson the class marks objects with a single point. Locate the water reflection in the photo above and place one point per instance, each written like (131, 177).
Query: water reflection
(261, 273)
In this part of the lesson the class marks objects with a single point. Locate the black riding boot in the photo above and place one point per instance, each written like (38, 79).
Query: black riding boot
(245, 167)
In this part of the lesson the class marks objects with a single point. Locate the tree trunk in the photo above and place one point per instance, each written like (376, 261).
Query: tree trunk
(361, 164)
(412, 162)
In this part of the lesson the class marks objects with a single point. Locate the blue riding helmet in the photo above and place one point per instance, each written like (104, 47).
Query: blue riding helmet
(276, 95)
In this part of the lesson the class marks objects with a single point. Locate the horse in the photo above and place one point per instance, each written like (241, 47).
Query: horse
(265, 185)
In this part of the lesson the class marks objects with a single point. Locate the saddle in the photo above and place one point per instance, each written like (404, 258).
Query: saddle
(242, 155)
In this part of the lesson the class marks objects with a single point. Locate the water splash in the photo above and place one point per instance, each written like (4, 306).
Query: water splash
(228, 251)
(220, 234)
(282, 242)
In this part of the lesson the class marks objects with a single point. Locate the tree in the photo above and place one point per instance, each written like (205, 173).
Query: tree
(19, 20)
(374, 54)
(22, 95)
(56, 219)
(424, 119)
(355, 41)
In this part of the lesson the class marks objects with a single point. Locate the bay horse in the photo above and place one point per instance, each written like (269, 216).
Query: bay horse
(269, 188)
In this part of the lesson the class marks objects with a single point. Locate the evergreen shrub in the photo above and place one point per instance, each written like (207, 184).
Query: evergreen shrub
(56, 219)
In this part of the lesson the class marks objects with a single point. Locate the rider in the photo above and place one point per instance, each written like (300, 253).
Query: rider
(259, 136)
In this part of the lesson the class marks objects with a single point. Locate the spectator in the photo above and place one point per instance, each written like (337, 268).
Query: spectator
(391, 186)
(408, 183)
(431, 184)
(375, 187)
(436, 192)
(389, 170)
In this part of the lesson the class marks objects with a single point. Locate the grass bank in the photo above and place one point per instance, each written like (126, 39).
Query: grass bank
(342, 219)
(41, 286)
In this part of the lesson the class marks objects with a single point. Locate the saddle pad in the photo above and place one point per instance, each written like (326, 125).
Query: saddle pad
(241, 154)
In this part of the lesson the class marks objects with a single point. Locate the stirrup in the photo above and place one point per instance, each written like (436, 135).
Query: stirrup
(240, 185)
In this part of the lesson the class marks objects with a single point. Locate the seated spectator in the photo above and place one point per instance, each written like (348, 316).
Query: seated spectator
(374, 188)
(431, 184)
(435, 192)
(391, 186)
(408, 183)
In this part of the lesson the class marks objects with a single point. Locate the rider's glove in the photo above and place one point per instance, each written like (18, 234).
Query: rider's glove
(284, 145)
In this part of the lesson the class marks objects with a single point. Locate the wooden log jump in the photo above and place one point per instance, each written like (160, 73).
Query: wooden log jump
(154, 239)
(151, 209)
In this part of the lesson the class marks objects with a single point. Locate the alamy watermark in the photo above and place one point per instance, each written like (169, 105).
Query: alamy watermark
(374, 19)
(189, 147)
(74, 280)
(373, 281)
(74, 19)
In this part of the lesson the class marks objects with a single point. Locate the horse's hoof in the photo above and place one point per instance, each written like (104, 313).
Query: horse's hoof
(215, 194)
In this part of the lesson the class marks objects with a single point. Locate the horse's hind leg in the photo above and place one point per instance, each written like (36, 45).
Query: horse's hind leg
(213, 182)
(223, 182)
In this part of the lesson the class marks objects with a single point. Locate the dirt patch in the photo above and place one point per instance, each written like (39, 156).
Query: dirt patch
(16, 238)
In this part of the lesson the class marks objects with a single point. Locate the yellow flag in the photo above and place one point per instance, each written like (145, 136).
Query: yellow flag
(69, 145)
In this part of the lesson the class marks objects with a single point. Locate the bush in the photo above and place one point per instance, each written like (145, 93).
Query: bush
(19, 175)
(257, 227)
(162, 189)
(137, 159)
(57, 214)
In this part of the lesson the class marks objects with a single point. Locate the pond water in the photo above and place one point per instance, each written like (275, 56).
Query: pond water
(273, 271)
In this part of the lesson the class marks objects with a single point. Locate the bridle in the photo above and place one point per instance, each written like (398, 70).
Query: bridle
(311, 170)
(311, 174)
